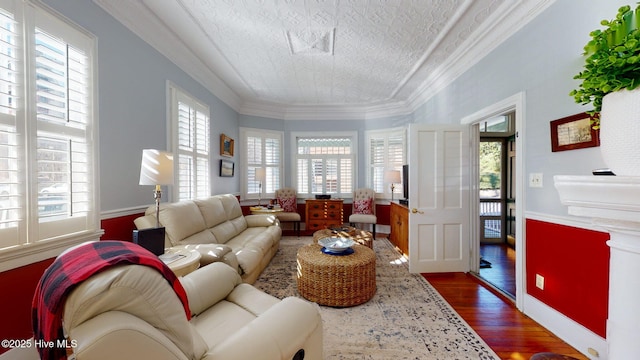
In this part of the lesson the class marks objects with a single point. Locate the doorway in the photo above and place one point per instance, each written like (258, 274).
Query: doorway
(513, 104)
(497, 202)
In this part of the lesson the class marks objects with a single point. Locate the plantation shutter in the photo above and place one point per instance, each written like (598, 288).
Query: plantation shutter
(377, 150)
(11, 204)
(263, 150)
(63, 144)
(47, 156)
(396, 156)
(193, 148)
(325, 165)
(386, 152)
(272, 160)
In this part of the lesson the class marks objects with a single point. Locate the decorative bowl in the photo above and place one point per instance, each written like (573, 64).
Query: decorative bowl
(336, 244)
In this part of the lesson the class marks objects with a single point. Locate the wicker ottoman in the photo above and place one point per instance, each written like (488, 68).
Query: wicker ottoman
(360, 236)
(336, 280)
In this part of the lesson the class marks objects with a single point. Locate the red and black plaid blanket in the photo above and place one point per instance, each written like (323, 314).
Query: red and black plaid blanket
(75, 266)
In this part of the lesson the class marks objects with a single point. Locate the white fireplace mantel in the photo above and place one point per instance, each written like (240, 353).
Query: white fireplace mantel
(613, 203)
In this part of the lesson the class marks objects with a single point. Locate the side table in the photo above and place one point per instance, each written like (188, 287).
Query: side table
(181, 261)
(264, 210)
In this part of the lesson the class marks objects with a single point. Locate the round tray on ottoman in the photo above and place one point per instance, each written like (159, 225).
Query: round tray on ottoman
(336, 280)
(360, 236)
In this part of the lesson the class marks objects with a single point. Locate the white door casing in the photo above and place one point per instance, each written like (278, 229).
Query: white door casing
(513, 103)
(439, 199)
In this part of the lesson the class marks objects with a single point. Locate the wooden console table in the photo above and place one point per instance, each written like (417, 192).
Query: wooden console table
(322, 214)
(399, 222)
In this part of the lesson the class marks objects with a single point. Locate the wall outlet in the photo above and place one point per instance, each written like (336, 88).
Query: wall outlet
(540, 281)
(535, 180)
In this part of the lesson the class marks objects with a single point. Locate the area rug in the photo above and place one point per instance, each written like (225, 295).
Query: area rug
(406, 319)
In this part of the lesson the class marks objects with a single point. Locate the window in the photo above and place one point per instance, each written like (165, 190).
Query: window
(262, 149)
(48, 125)
(387, 151)
(325, 164)
(500, 124)
(191, 144)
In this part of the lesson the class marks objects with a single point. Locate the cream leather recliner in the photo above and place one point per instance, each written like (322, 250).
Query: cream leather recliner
(217, 229)
(131, 312)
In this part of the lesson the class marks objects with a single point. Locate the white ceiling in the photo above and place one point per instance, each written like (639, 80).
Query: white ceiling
(324, 58)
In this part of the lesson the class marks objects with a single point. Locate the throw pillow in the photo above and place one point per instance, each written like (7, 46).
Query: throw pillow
(363, 206)
(288, 204)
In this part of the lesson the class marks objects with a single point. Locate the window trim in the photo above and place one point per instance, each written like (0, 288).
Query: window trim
(175, 93)
(32, 252)
(369, 134)
(317, 134)
(244, 132)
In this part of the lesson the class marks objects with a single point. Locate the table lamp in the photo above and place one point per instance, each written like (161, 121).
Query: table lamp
(156, 169)
(260, 177)
(392, 177)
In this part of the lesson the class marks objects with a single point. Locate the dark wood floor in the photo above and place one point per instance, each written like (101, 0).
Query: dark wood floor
(501, 272)
(510, 333)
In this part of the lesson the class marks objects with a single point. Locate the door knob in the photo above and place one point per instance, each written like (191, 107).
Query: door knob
(414, 210)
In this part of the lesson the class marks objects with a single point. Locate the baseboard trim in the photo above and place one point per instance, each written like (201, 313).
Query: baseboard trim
(576, 335)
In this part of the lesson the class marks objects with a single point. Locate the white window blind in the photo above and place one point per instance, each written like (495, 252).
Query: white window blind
(191, 145)
(47, 127)
(387, 151)
(325, 165)
(263, 149)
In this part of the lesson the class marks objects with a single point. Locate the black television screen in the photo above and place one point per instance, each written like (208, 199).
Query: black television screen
(405, 181)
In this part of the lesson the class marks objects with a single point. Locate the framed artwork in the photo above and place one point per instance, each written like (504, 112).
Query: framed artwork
(226, 145)
(573, 132)
(227, 168)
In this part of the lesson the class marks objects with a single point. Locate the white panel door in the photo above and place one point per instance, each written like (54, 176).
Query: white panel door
(439, 198)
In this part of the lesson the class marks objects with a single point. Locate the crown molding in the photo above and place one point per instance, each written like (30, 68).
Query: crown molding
(154, 32)
(513, 16)
(324, 112)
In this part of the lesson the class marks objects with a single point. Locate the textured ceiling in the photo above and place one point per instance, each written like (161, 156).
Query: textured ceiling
(343, 55)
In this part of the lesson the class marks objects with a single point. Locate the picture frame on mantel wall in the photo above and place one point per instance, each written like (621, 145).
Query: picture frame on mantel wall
(226, 145)
(573, 132)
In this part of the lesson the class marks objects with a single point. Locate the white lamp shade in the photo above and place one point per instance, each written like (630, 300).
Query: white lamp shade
(260, 174)
(392, 177)
(156, 168)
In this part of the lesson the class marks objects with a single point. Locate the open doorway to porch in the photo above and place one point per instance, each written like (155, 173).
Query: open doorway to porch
(497, 231)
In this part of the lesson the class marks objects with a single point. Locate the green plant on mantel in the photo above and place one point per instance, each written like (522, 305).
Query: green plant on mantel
(612, 61)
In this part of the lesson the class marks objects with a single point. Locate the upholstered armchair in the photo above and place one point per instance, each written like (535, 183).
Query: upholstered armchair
(364, 208)
(288, 201)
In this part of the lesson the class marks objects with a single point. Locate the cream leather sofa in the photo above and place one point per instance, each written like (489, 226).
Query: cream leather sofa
(216, 228)
(131, 312)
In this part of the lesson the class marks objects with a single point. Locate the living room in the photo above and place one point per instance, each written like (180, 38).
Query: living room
(536, 62)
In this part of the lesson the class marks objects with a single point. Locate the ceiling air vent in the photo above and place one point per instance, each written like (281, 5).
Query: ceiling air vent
(310, 41)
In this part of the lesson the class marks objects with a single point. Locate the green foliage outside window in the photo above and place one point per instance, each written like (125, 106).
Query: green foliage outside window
(490, 163)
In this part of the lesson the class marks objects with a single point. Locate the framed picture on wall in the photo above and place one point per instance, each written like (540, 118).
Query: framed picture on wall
(226, 168)
(226, 145)
(573, 132)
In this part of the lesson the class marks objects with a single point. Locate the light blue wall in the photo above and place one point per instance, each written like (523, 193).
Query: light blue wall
(132, 83)
(539, 60)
